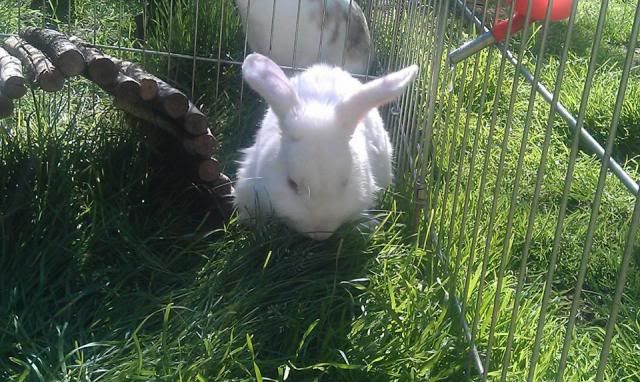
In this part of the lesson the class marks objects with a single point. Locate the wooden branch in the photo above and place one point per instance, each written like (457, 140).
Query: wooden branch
(226, 205)
(148, 115)
(6, 106)
(209, 170)
(101, 69)
(202, 145)
(107, 67)
(223, 186)
(12, 83)
(194, 121)
(171, 100)
(222, 190)
(166, 98)
(104, 70)
(39, 69)
(63, 53)
(148, 85)
(124, 88)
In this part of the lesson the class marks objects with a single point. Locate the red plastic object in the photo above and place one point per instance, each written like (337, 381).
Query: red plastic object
(560, 10)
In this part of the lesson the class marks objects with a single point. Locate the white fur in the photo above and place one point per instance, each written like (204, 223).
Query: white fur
(321, 29)
(324, 132)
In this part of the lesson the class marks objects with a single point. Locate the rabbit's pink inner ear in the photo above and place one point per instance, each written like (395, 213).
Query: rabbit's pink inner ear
(374, 94)
(267, 79)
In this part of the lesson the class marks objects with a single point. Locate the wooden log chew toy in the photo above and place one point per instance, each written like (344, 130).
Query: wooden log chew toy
(48, 56)
(203, 145)
(104, 70)
(171, 100)
(124, 88)
(209, 170)
(148, 85)
(194, 121)
(12, 82)
(64, 54)
(166, 98)
(101, 69)
(39, 70)
(223, 186)
(148, 89)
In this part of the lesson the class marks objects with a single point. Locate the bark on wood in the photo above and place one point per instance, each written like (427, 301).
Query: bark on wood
(124, 88)
(223, 197)
(226, 205)
(6, 106)
(194, 121)
(101, 68)
(223, 186)
(63, 53)
(201, 145)
(146, 114)
(167, 99)
(107, 67)
(12, 82)
(171, 162)
(39, 69)
(171, 100)
(209, 170)
(148, 85)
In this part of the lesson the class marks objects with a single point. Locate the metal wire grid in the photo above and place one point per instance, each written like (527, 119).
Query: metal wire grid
(449, 238)
(417, 128)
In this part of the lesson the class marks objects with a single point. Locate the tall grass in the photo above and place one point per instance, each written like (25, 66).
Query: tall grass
(478, 241)
(108, 274)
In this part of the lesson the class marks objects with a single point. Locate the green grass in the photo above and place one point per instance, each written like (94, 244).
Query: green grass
(476, 244)
(111, 271)
(110, 268)
(108, 276)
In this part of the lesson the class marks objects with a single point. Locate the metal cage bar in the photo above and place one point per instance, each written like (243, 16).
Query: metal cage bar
(608, 164)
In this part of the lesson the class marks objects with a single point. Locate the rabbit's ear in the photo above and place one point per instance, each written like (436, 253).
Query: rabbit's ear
(374, 94)
(268, 80)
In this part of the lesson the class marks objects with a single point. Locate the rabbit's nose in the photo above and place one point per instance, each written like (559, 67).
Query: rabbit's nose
(319, 235)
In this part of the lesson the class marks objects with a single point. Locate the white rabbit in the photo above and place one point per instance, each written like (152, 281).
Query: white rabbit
(321, 32)
(322, 152)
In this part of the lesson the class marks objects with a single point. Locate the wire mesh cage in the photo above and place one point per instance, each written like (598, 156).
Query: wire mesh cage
(518, 161)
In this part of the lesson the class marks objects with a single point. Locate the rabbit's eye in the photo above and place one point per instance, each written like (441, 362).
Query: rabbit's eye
(293, 185)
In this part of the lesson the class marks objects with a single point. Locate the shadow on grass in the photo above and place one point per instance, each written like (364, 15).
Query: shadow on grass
(109, 269)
